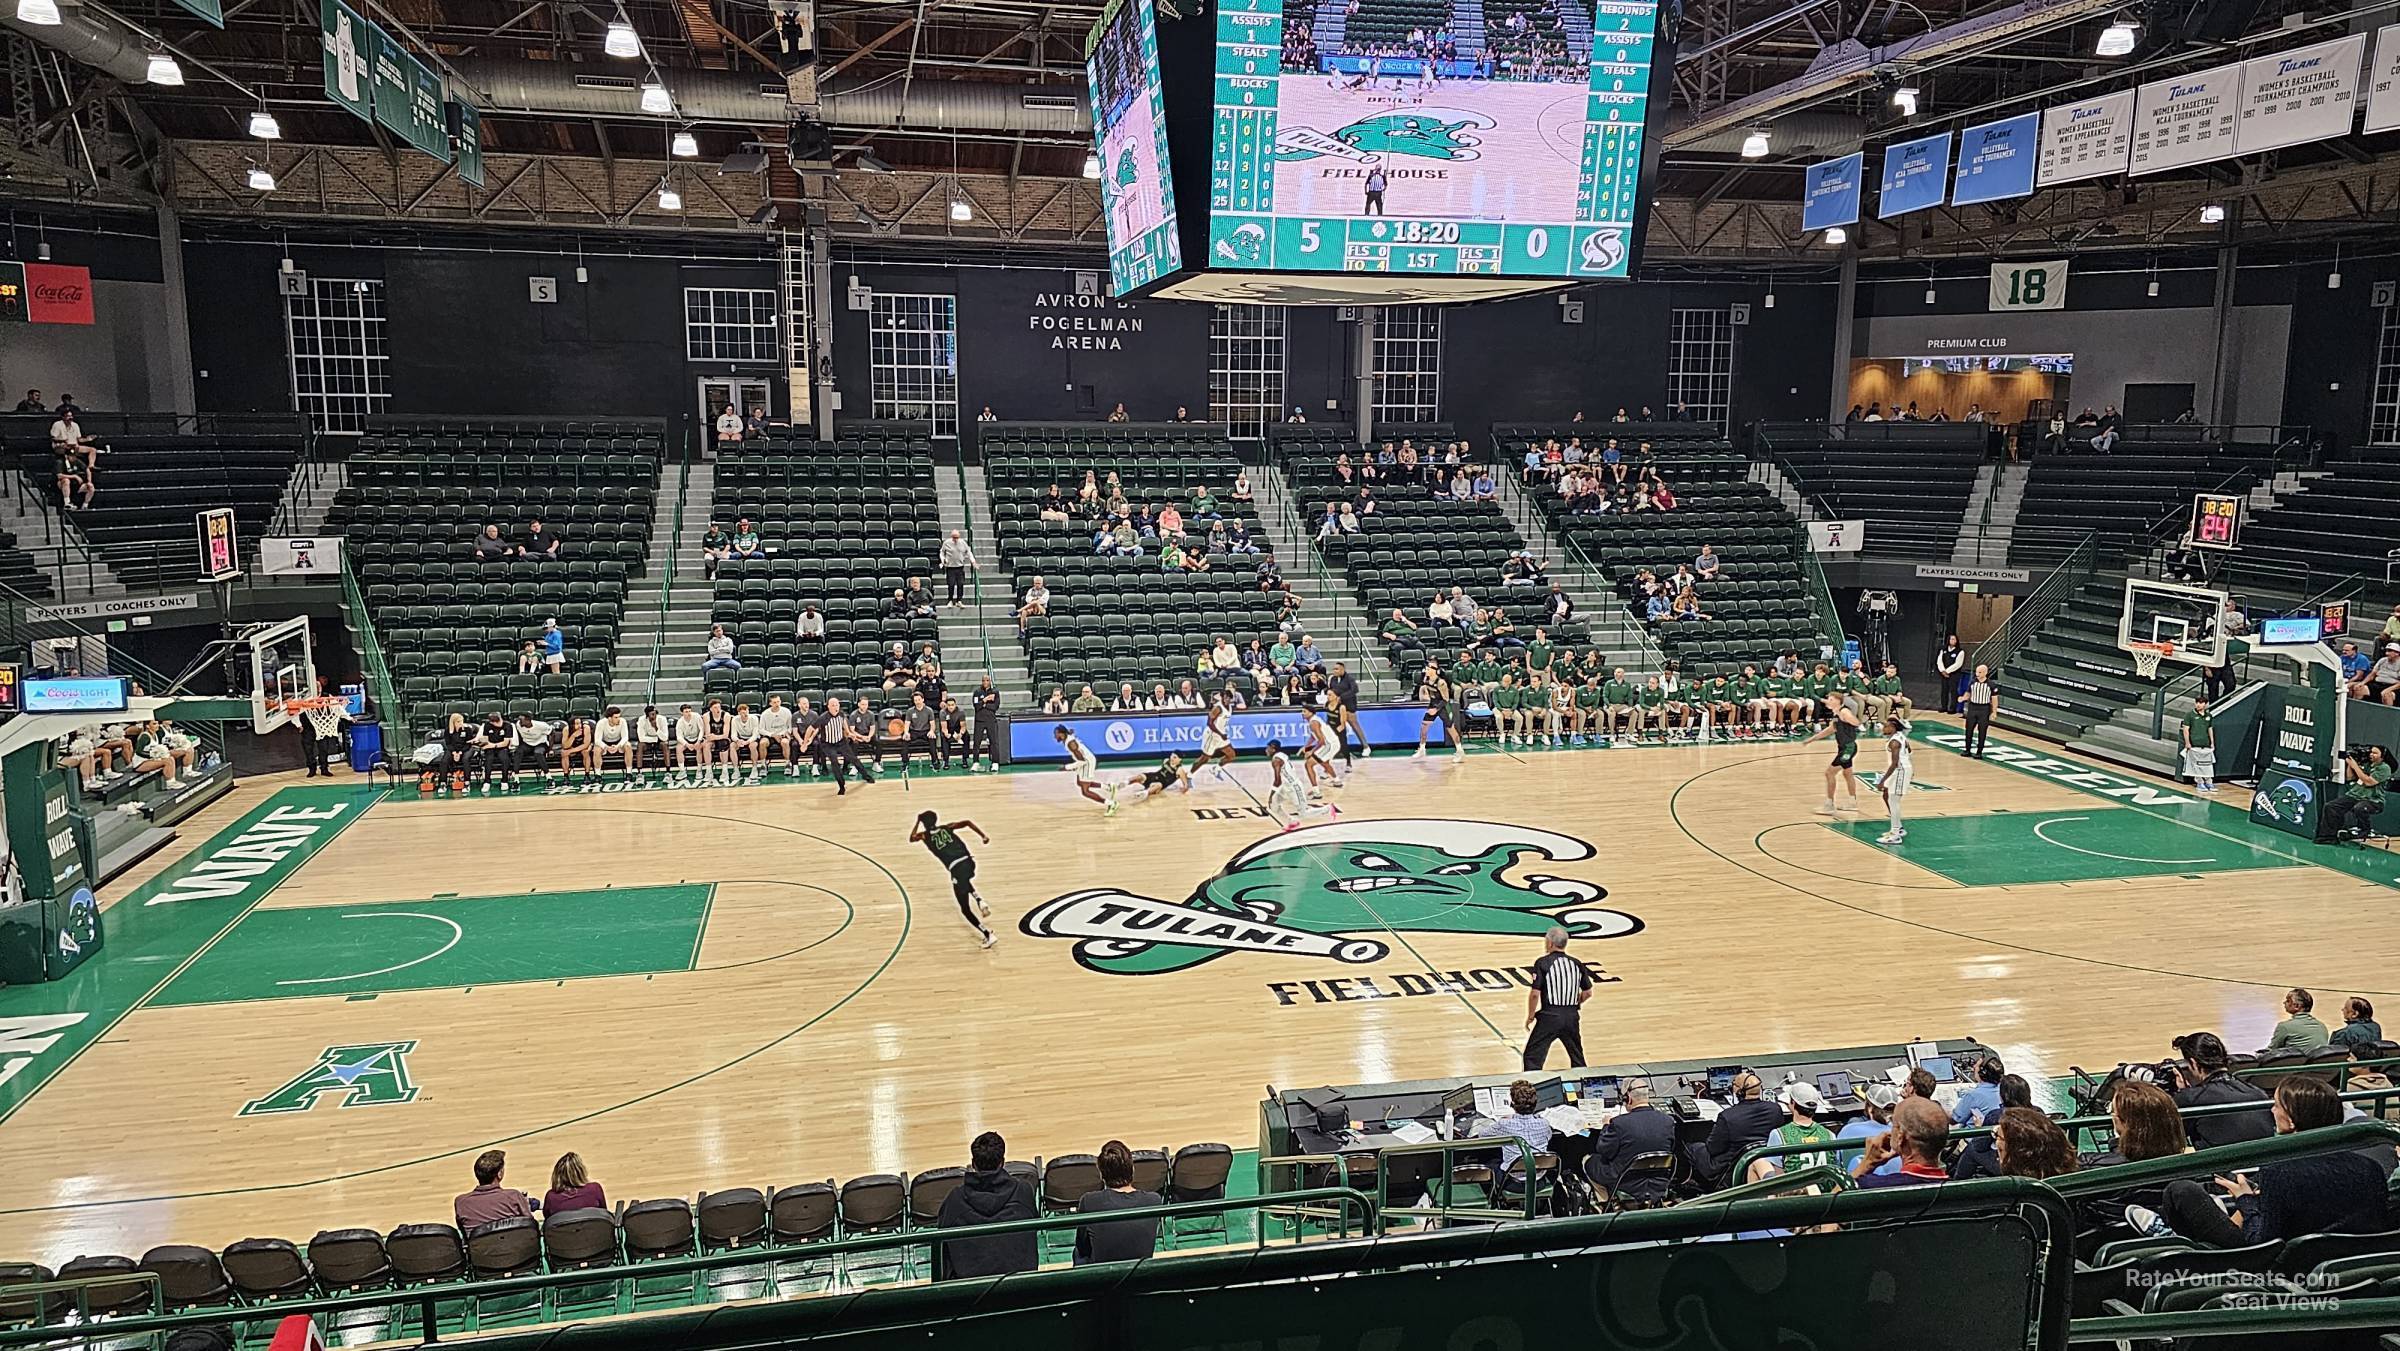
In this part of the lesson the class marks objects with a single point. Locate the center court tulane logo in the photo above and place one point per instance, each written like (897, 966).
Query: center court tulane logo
(1426, 133)
(373, 1075)
(1320, 891)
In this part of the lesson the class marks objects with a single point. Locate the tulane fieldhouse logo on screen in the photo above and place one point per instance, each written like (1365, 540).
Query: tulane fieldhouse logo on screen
(1427, 133)
(1339, 891)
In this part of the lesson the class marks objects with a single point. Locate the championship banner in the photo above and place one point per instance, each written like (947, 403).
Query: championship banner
(2186, 120)
(1915, 176)
(466, 137)
(1995, 160)
(300, 555)
(1836, 537)
(2383, 82)
(2086, 140)
(2310, 94)
(1832, 195)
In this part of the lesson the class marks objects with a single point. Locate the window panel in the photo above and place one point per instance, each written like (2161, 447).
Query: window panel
(1408, 364)
(1245, 368)
(731, 324)
(1700, 352)
(334, 334)
(912, 353)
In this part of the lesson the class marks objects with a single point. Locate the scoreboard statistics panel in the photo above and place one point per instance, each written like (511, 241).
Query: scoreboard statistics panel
(1514, 152)
(1129, 124)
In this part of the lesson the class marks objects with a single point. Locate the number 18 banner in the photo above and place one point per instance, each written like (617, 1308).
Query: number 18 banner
(2029, 286)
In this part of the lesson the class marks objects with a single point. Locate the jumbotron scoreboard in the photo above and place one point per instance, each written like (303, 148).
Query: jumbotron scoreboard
(1431, 164)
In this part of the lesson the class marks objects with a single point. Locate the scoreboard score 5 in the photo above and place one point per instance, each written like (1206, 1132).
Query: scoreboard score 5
(2216, 521)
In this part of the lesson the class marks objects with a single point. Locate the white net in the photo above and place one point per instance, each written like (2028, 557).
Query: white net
(2146, 659)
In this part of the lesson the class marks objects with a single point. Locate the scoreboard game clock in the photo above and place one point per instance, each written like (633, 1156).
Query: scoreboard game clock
(2216, 521)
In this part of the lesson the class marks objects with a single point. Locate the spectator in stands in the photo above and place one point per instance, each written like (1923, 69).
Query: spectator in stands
(2365, 774)
(489, 1202)
(31, 403)
(1118, 414)
(2359, 1027)
(1744, 1123)
(539, 543)
(720, 651)
(990, 1194)
(554, 647)
(1918, 1135)
(745, 542)
(2343, 1192)
(2300, 1029)
(2147, 1124)
(916, 600)
(2354, 668)
(1981, 1157)
(1440, 613)
(571, 1187)
(810, 627)
(1128, 700)
(1856, 414)
(68, 442)
(715, 547)
(1306, 659)
(1878, 1100)
(1979, 1102)
(529, 659)
(1805, 1104)
(2364, 1078)
(2208, 1080)
(987, 415)
(1486, 488)
(1035, 606)
(729, 427)
(489, 545)
(1118, 1240)
(1087, 702)
(2029, 1144)
(1055, 702)
(755, 425)
(2383, 678)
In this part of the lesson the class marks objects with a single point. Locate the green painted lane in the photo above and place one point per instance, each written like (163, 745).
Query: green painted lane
(2084, 844)
(450, 942)
(160, 926)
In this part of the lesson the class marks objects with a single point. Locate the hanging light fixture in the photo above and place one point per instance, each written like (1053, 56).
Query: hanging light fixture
(1837, 235)
(264, 126)
(668, 198)
(685, 146)
(960, 210)
(1091, 165)
(2333, 279)
(1754, 145)
(1905, 99)
(260, 179)
(2211, 214)
(41, 12)
(164, 71)
(655, 98)
(2117, 38)
(622, 41)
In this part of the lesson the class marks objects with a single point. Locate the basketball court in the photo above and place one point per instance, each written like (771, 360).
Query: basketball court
(323, 1008)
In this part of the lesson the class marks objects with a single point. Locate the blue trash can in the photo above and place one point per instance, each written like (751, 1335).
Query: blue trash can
(366, 745)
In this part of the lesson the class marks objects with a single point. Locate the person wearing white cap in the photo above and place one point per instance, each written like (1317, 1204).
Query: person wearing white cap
(1880, 1098)
(1804, 1103)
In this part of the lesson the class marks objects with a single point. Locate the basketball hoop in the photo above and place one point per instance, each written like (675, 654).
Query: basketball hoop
(2146, 657)
(301, 708)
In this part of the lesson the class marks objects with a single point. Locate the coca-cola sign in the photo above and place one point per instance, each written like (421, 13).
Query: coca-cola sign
(58, 295)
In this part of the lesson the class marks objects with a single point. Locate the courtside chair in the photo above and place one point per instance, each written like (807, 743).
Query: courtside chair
(430, 1254)
(503, 1248)
(1198, 1173)
(876, 1203)
(188, 1276)
(349, 1261)
(1066, 1180)
(800, 1214)
(731, 1220)
(106, 1299)
(660, 1229)
(29, 1308)
(926, 1193)
(264, 1270)
(578, 1240)
(1150, 1170)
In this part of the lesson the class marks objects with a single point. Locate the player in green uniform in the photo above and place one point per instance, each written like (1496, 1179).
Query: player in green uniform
(1508, 707)
(1623, 702)
(1540, 653)
(942, 839)
(1774, 699)
(1172, 772)
(1717, 701)
(1894, 696)
(1591, 716)
(1843, 728)
(1679, 699)
(1815, 687)
(1653, 698)
(1562, 706)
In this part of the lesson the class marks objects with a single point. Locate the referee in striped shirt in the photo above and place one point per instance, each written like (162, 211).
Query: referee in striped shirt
(1554, 1003)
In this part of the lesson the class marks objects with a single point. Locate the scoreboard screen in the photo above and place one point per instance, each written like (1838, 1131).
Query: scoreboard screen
(1129, 124)
(1509, 147)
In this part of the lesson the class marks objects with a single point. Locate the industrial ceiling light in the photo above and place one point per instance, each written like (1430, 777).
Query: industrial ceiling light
(685, 146)
(960, 211)
(164, 71)
(264, 126)
(1754, 146)
(1837, 235)
(2211, 214)
(261, 180)
(622, 41)
(2117, 38)
(668, 198)
(41, 12)
(1091, 165)
(1905, 99)
(655, 98)
(872, 162)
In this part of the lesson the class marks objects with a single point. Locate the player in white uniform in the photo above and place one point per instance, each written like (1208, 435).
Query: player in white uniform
(1323, 746)
(1216, 739)
(612, 735)
(1086, 768)
(1895, 778)
(1287, 795)
(691, 742)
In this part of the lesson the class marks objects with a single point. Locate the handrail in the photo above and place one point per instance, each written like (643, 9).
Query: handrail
(666, 581)
(1828, 620)
(1328, 588)
(380, 686)
(428, 1298)
(301, 485)
(966, 511)
(2033, 610)
(14, 633)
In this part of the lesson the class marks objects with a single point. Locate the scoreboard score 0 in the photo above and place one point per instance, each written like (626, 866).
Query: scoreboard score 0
(2216, 521)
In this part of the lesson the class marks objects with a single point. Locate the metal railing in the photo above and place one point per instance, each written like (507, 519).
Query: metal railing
(380, 686)
(313, 473)
(2033, 610)
(1326, 586)
(666, 578)
(967, 522)
(1823, 617)
(99, 655)
(1577, 568)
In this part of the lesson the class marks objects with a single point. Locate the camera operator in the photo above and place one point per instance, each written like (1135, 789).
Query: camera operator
(2205, 1079)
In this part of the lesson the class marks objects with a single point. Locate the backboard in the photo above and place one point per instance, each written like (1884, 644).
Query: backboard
(2190, 617)
(283, 667)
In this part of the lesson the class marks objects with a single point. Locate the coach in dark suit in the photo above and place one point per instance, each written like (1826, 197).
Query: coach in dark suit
(1639, 1129)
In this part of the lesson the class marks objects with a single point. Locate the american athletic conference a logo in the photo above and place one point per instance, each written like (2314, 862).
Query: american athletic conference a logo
(1327, 890)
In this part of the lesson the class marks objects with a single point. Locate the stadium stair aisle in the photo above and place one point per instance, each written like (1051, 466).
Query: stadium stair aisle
(963, 492)
(666, 670)
(1622, 641)
(1344, 626)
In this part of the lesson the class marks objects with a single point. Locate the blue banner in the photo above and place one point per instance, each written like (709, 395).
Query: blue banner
(1996, 160)
(1149, 736)
(1916, 174)
(1832, 195)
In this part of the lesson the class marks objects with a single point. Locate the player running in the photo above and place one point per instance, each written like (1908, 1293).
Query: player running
(1171, 773)
(1844, 729)
(1287, 796)
(1434, 691)
(1895, 778)
(1086, 768)
(1216, 742)
(941, 838)
(1324, 745)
